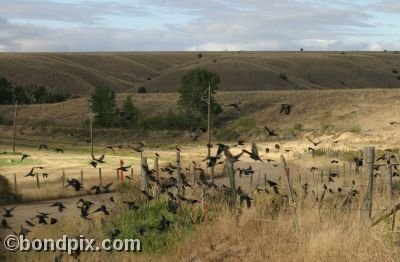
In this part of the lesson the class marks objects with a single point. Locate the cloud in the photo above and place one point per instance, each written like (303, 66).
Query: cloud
(210, 25)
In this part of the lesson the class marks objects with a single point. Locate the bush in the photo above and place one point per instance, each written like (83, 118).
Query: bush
(227, 135)
(142, 90)
(6, 192)
(355, 129)
(284, 77)
(170, 121)
(298, 127)
(325, 127)
(394, 71)
(398, 78)
(246, 123)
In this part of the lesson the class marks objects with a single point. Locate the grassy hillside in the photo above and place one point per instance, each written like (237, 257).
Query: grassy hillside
(78, 73)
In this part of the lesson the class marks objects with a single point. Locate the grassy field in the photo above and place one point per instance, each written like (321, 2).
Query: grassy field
(79, 73)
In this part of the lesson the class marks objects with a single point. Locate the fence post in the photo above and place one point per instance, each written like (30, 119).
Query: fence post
(290, 193)
(118, 174)
(369, 158)
(193, 172)
(156, 167)
(145, 183)
(37, 180)
(81, 176)
(63, 179)
(251, 182)
(131, 173)
(178, 174)
(265, 180)
(100, 177)
(15, 184)
(389, 182)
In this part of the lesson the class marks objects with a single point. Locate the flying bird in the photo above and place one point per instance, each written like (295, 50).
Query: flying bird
(270, 131)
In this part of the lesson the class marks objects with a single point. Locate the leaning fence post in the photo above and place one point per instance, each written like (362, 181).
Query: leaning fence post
(251, 182)
(290, 193)
(369, 158)
(131, 173)
(81, 176)
(145, 183)
(265, 180)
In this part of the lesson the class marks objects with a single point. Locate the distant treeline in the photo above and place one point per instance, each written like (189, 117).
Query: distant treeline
(32, 94)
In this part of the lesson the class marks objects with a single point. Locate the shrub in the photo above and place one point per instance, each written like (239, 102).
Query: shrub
(246, 123)
(325, 127)
(394, 71)
(200, 55)
(6, 192)
(283, 77)
(398, 78)
(298, 127)
(142, 90)
(227, 134)
(355, 129)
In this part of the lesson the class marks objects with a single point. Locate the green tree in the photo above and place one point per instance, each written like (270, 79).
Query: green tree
(6, 91)
(103, 104)
(129, 113)
(194, 92)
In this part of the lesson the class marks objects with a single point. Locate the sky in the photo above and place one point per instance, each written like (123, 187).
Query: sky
(202, 25)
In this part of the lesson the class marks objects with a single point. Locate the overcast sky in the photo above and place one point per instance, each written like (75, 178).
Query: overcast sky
(206, 25)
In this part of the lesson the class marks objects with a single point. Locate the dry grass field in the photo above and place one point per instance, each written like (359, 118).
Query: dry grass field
(79, 73)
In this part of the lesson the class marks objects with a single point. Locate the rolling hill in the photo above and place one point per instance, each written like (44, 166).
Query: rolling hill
(79, 73)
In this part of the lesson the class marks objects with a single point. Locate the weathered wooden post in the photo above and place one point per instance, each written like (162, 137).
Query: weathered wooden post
(231, 176)
(131, 173)
(389, 183)
(369, 158)
(251, 182)
(118, 174)
(15, 184)
(37, 180)
(100, 177)
(265, 180)
(145, 182)
(290, 193)
(156, 167)
(193, 172)
(178, 174)
(63, 179)
(81, 176)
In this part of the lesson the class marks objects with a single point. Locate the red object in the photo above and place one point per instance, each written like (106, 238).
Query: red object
(121, 174)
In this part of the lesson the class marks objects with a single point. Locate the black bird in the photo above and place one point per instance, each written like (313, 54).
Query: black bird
(313, 169)
(277, 146)
(358, 161)
(270, 131)
(24, 156)
(115, 233)
(244, 197)
(177, 148)
(254, 153)
(53, 221)
(164, 224)
(107, 187)
(310, 149)
(172, 206)
(157, 155)
(75, 183)
(43, 146)
(394, 123)
(131, 205)
(4, 224)
(285, 108)
(8, 212)
(84, 212)
(124, 168)
(334, 161)
(45, 175)
(109, 147)
(272, 183)
(236, 106)
(96, 189)
(230, 157)
(100, 159)
(103, 209)
(31, 173)
(29, 223)
(85, 203)
(314, 143)
(60, 206)
(59, 150)
(112, 199)
(23, 232)
(93, 163)
(266, 150)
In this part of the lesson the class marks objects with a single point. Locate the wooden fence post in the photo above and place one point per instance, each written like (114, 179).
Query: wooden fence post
(369, 158)
(265, 180)
(100, 177)
(63, 179)
(81, 176)
(231, 177)
(145, 183)
(131, 173)
(389, 183)
(193, 172)
(290, 193)
(251, 182)
(15, 184)
(118, 173)
(178, 174)
(37, 180)
(156, 167)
